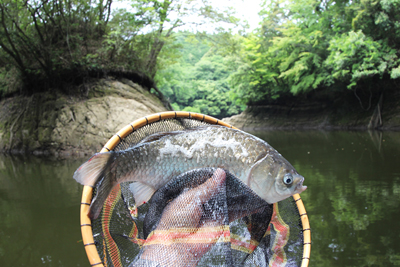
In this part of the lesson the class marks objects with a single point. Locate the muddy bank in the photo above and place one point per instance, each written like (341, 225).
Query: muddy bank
(52, 123)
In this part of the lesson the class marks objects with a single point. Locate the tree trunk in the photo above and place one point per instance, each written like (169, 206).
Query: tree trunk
(151, 66)
(376, 118)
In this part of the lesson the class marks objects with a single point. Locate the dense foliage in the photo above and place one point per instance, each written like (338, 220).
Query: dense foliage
(46, 44)
(331, 45)
(198, 81)
(302, 47)
(43, 42)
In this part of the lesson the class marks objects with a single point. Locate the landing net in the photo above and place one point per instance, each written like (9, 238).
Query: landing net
(229, 225)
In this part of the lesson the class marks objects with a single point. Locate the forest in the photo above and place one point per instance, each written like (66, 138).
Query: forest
(300, 49)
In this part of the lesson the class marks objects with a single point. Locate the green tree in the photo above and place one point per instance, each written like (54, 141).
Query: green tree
(198, 82)
(379, 20)
(354, 57)
(44, 39)
(53, 43)
(307, 45)
(159, 20)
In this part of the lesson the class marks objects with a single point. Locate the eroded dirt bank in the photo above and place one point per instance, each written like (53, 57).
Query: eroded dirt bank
(56, 124)
(379, 111)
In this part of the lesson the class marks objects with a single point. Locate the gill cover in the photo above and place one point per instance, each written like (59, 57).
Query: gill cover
(274, 180)
(261, 179)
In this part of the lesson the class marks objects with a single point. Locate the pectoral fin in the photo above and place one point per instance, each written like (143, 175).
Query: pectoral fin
(141, 192)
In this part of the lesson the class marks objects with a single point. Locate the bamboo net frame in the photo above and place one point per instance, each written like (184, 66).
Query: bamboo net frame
(86, 226)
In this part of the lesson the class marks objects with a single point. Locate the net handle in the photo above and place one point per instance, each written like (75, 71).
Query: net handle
(87, 192)
(306, 230)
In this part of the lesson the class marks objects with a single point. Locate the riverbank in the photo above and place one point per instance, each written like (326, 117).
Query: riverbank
(381, 111)
(62, 125)
(53, 123)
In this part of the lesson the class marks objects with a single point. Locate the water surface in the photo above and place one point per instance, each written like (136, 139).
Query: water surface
(353, 201)
(39, 211)
(353, 195)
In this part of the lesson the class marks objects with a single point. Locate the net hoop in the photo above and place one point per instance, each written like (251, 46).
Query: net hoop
(87, 192)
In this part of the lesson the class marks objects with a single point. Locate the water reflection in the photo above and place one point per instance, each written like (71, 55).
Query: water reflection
(353, 198)
(39, 211)
(353, 194)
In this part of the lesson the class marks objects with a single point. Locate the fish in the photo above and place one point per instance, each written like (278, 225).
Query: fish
(160, 157)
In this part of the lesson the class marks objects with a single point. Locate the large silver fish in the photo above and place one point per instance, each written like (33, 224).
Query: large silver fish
(160, 157)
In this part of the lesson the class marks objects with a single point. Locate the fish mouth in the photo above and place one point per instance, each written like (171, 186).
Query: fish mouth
(300, 187)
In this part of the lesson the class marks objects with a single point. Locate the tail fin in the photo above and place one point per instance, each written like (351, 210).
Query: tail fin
(89, 173)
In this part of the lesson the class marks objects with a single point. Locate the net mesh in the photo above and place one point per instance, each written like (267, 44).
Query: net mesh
(204, 217)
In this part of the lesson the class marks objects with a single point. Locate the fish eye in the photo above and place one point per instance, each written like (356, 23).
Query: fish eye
(288, 179)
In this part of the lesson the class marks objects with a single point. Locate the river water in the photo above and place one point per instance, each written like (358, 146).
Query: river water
(353, 201)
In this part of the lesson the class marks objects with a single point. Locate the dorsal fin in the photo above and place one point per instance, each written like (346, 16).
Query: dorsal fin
(157, 136)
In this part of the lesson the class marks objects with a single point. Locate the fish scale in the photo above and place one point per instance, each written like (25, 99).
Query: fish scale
(163, 156)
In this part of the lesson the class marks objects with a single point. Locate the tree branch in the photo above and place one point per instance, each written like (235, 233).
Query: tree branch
(13, 52)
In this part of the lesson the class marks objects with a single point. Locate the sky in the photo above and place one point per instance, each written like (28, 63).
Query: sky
(245, 9)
